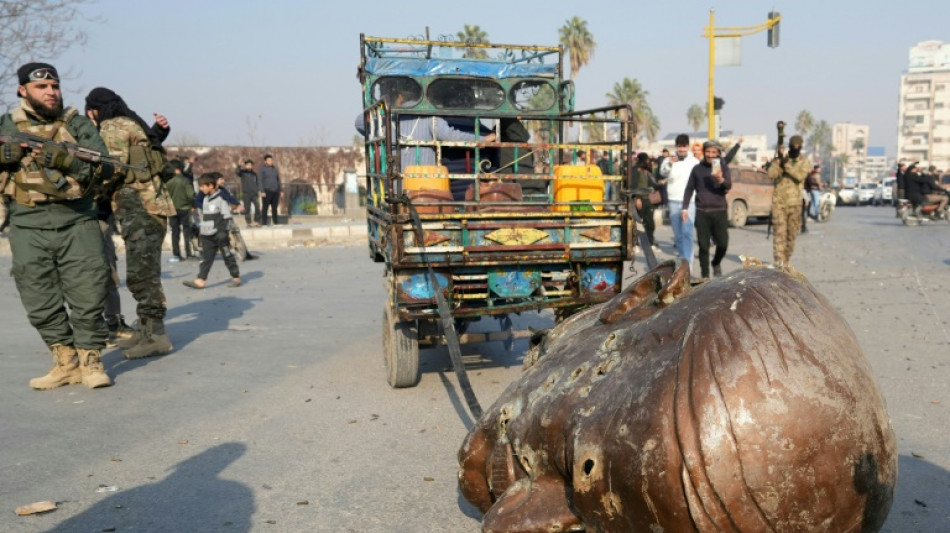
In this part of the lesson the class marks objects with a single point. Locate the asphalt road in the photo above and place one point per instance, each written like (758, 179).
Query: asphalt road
(273, 413)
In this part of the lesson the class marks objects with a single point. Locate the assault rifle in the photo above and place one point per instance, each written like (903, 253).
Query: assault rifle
(87, 155)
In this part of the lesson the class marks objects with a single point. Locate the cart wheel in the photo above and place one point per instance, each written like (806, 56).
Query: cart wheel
(400, 350)
(238, 245)
(825, 213)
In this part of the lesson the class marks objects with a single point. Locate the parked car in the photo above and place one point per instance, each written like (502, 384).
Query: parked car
(866, 192)
(884, 193)
(848, 195)
(750, 196)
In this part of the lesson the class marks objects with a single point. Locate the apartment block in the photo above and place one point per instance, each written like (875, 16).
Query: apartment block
(923, 129)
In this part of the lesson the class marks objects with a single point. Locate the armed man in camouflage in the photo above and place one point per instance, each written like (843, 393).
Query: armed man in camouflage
(788, 173)
(58, 260)
(142, 207)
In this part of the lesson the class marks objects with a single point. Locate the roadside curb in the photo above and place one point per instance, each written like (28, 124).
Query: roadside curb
(269, 238)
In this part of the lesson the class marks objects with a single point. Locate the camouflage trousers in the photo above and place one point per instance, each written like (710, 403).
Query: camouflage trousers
(786, 223)
(143, 235)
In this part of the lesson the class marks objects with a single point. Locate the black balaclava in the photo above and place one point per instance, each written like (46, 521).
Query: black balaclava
(110, 105)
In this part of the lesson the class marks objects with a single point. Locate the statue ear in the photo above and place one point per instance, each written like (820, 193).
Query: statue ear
(651, 292)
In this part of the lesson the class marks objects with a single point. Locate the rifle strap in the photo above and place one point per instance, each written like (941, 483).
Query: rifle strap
(445, 315)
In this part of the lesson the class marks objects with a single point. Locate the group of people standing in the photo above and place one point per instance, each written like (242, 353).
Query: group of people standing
(695, 180)
(81, 177)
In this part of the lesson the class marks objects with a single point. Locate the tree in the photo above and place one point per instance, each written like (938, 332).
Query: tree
(473, 35)
(804, 122)
(578, 42)
(695, 115)
(630, 92)
(819, 139)
(37, 30)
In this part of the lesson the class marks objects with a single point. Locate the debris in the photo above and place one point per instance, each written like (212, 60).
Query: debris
(272, 522)
(920, 503)
(80, 401)
(917, 455)
(351, 421)
(35, 508)
(107, 488)
(427, 478)
(265, 486)
(374, 417)
(308, 400)
(183, 441)
(116, 460)
(303, 503)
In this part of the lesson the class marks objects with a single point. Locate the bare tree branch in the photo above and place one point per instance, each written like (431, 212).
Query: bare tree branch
(38, 30)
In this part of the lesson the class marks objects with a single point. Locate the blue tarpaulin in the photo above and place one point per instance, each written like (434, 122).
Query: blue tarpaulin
(442, 67)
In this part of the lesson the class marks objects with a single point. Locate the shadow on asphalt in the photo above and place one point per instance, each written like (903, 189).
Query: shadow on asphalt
(191, 498)
(917, 505)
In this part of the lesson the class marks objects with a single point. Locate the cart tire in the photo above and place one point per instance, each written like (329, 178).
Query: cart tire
(400, 350)
(824, 213)
(239, 246)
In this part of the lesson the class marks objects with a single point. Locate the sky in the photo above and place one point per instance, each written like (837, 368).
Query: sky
(282, 72)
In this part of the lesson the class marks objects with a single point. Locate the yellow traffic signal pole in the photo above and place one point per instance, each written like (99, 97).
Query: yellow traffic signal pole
(730, 31)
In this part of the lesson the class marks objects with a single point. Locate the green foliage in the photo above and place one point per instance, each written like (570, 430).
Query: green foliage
(473, 35)
(695, 116)
(578, 42)
(630, 92)
(307, 208)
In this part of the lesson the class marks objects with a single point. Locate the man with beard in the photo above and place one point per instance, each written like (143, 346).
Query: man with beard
(142, 207)
(788, 173)
(58, 258)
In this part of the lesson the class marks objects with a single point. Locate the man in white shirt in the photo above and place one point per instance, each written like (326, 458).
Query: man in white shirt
(675, 169)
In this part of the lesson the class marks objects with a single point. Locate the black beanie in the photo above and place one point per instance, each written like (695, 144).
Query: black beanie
(23, 73)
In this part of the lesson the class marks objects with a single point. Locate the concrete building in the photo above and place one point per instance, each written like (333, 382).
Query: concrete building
(877, 166)
(851, 140)
(923, 129)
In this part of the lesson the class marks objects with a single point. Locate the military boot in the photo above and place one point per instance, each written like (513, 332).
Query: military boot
(93, 373)
(154, 341)
(65, 369)
(118, 330)
(135, 336)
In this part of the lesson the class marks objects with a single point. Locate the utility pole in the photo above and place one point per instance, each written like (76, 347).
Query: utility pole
(712, 33)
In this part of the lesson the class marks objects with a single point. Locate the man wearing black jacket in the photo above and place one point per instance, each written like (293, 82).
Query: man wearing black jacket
(251, 189)
(270, 186)
(710, 181)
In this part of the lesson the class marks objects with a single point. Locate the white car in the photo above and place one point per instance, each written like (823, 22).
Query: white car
(884, 193)
(866, 192)
(848, 196)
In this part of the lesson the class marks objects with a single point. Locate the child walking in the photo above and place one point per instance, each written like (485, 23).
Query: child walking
(215, 220)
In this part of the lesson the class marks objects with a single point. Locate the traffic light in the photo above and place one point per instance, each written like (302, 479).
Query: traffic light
(773, 28)
(718, 103)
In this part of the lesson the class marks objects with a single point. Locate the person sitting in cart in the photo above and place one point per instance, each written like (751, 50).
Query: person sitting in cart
(422, 128)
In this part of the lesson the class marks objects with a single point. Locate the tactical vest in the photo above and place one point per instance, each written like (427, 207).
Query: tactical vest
(35, 184)
(147, 183)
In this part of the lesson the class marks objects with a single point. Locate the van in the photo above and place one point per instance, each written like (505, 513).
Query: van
(885, 193)
(750, 196)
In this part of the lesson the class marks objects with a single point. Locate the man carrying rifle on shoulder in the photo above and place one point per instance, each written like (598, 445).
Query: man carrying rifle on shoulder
(58, 259)
(788, 172)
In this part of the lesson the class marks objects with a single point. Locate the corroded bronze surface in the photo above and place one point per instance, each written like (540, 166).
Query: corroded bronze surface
(743, 404)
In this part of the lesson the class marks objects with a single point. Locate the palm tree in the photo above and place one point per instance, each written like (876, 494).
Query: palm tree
(578, 42)
(630, 92)
(819, 139)
(804, 122)
(473, 35)
(695, 115)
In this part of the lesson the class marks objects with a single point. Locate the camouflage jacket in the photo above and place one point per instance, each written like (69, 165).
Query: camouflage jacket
(59, 214)
(789, 182)
(121, 134)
